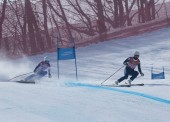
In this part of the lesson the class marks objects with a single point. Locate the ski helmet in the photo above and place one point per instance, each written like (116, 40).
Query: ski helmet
(46, 59)
(136, 53)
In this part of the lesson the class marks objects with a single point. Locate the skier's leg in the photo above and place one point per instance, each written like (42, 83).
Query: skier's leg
(123, 78)
(126, 73)
(134, 75)
(41, 74)
(30, 78)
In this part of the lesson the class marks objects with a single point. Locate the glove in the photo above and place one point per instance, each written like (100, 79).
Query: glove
(142, 74)
(125, 64)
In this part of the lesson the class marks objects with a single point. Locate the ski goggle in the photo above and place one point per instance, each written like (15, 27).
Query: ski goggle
(46, 61)
(136, 56)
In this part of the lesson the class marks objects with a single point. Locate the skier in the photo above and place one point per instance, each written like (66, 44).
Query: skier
(40, 70)
(131, 64)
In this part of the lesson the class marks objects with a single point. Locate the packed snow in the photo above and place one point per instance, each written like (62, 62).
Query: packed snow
(84, 100)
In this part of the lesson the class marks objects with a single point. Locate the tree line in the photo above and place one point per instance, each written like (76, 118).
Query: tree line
(31, 26)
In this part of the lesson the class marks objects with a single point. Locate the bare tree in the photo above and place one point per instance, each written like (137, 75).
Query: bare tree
(36, 42)
(32, 25)
(87, 26)
(2, 17)
(100, 17)
(45, 24)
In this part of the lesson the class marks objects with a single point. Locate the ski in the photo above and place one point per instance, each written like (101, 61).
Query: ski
(23, 81)
(124, 85)
(138, 84)
(113, 85)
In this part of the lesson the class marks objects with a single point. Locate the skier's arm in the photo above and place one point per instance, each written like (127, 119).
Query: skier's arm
(139, 69)
(126, 61)
(36, 67)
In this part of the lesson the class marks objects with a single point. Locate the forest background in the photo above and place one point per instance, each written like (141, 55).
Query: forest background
(30, 27)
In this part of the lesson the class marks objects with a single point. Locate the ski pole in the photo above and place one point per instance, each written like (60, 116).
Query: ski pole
(112, 74)
(19, 76)
(139, 76)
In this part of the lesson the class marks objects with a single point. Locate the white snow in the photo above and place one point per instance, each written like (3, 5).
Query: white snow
(68, 100)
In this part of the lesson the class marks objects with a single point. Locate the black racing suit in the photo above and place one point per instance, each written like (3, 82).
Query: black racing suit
(131, 64)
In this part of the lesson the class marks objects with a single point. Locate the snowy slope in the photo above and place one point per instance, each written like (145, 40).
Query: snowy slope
(68, 100)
